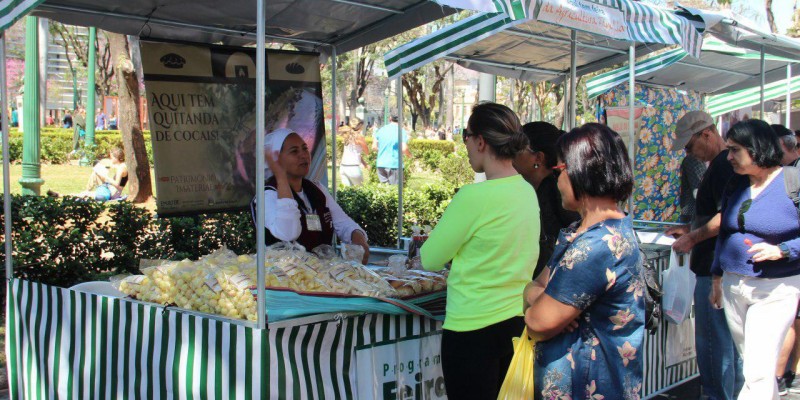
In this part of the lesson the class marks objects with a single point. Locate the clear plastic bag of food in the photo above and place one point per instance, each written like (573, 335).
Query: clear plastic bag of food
(140, 287)
(236, 298)
(160, 277)
(325, 252)
(352, 252)
(359, 280)
(185, 276)
(397, 264)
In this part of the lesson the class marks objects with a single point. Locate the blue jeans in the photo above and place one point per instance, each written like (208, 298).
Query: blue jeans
(718, 361)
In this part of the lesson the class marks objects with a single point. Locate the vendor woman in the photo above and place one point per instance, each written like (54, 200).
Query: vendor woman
(297, 209)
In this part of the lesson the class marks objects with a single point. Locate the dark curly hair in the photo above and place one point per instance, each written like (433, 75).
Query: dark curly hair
(760, 140)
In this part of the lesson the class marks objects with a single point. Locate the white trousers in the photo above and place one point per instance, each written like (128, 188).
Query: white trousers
(759, 312)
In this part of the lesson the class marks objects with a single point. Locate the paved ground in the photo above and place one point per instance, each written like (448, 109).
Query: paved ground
(691, 391)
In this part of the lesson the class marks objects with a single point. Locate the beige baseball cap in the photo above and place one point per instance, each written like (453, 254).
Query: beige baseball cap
(691, 123)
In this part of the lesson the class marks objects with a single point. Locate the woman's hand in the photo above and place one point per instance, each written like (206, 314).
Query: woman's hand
(274, 166)
(357, 237)
(764, 252)
(716, 293)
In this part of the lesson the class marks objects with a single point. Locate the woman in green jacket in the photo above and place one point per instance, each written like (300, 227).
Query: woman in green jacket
(490, 231)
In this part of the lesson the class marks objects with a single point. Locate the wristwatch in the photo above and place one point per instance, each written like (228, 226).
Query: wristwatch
(784, 250)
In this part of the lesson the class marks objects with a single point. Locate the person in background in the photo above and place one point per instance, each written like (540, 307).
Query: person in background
(14, 118)
(692, 171)
(112, 122)
(718, 361)
(490, 231)
(67, 121)
(80, 128)
(788, 145)
(297, 209)
(100, 123)
(586, 310)
(386, 144)
(786, 369)
(535, 164)
(757, 255)
(49, 121)
(353, 165)
(105, 184)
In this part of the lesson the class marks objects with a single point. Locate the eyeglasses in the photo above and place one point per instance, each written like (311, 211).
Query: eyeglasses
(560, 167)
(465, 134)
(742, 210)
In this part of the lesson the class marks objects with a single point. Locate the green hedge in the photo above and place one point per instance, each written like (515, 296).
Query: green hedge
(56, 144)
(416, 146)
(68, 240)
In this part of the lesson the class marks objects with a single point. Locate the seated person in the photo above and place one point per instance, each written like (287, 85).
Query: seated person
(297, 209)
(109, 177)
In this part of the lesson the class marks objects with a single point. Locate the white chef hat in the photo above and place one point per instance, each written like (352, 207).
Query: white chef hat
(273, 142)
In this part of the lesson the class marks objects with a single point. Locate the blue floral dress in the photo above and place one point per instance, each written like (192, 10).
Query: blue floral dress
(596, 272)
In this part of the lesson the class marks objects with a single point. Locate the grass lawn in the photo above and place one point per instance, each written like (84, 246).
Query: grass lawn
(62, 179)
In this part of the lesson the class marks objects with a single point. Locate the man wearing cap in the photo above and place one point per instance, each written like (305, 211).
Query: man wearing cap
(717, 358)
(386, 144)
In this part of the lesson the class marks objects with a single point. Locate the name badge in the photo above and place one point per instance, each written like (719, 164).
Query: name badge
(313, 223)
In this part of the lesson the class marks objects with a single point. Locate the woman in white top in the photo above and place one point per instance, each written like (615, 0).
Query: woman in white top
(355, 146)
(297, 209)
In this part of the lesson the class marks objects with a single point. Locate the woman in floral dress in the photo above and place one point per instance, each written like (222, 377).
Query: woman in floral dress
(586, 310)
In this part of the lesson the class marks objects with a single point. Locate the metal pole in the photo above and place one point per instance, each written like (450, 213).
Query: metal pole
(788, 95)
(573, 79)
(261, 62)
(31, 180)
(334, 125)
(6, 162)
(399, 162)
(90, 92)
(763, 67)
(631, 109)
(566, 106)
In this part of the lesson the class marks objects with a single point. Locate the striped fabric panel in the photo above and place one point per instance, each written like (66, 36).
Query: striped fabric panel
(66, 344)
(657, 375)
(12, 10)
(426, 49)
(516, 9)
(608, 80)
(724, 103)
(649, 24)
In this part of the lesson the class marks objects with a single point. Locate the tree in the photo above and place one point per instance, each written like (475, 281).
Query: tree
(139, 185)
(422, 91)
(76, 45)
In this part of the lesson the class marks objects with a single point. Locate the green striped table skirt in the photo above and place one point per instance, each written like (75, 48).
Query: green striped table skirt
(67, 344)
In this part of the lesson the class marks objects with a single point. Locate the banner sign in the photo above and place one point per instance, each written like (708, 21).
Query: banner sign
(586, 16)
(202, 109)
(410, 368)
(617, 119)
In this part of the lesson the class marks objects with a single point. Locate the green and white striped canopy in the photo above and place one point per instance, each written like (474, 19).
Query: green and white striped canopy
(12, 11)
(534, 50)
(724, 103)
(720, 68)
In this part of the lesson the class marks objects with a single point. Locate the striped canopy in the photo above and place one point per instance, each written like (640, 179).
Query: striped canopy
(12, 11)
(720, 68)
(533, 50)
(724, 103)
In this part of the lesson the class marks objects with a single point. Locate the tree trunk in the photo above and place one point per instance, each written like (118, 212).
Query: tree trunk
(770, 16)
(139, 187)
(449, 97)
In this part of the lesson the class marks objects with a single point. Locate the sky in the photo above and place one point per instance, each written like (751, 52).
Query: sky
(755, 11)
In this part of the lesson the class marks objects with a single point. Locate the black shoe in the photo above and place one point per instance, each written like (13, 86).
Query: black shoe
(782, 391)
(794, 384)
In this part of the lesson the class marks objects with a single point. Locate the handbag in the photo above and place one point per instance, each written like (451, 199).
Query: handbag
(518, 383)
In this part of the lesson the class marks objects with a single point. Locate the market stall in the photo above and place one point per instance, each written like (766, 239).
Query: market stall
(63, 342)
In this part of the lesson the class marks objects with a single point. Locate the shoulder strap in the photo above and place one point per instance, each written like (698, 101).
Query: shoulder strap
(791, 182)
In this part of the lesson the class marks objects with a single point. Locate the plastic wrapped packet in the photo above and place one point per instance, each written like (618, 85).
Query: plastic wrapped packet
(219, 257)
(237, 299)
(325, 252)
(161, 279)
(183, 276)
(140, 287)
(301, 269)
(359, 280)
(397, 264)
(352, 252)
(414, 282)
(127, 285)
